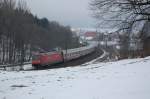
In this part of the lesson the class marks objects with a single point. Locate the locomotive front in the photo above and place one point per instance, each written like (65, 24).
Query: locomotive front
(36, 59)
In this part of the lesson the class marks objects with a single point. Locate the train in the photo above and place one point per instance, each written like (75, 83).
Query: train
(61, 56)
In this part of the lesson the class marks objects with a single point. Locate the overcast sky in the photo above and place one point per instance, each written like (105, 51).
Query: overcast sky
(75, 13)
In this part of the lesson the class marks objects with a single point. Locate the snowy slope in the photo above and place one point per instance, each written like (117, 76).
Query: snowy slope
(126, 79)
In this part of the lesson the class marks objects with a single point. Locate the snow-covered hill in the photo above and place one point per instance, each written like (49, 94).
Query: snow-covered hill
(125, 79)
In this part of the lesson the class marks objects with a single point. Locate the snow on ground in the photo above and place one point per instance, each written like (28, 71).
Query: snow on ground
(125, 79)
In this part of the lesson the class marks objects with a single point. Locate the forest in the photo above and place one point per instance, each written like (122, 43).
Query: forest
(22, 33)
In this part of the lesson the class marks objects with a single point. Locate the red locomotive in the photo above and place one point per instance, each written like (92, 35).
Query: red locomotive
(43, 59)
(50, 58)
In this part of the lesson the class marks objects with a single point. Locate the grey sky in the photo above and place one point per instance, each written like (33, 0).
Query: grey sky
(67, 12)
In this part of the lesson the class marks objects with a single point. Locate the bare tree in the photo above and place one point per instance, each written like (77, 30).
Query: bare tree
(121, 14)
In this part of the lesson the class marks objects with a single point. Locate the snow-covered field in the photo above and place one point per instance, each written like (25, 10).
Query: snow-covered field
(126, 79)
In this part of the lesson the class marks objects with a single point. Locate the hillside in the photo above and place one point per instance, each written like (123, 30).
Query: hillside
(125, 79)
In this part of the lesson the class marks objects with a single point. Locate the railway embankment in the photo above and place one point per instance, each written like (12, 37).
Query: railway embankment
(98, 54)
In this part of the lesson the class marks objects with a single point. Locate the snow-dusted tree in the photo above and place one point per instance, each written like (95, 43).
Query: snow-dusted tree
(121, 14)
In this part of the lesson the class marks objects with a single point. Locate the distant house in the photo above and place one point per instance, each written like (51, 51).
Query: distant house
(90, 35)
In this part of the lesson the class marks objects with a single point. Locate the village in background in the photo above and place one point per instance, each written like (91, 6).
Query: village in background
(120, 45)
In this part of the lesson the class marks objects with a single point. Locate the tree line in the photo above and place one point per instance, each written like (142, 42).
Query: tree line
(21, 33)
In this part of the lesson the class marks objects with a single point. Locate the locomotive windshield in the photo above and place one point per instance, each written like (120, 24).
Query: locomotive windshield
(35, 57)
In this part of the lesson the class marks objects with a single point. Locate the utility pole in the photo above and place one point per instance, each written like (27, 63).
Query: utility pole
(66, 43)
